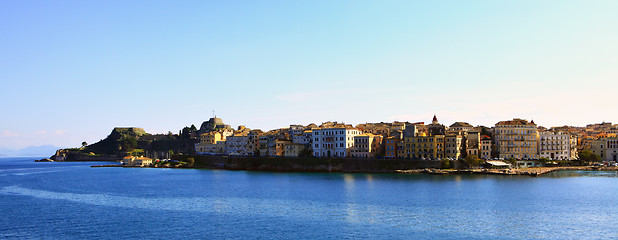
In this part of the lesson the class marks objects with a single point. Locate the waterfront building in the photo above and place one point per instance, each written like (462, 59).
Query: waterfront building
(425, 147)
(308, 139)
(606, 147)
(272, 142)
(366, 145)
(473, 143)
(390, 146)
(401, 149)
(555, 145)
(136, 161)
(277, 147)
(253, 142)
(263, 144)
(334, 140)
(217, 148)
(208, 141)
(486, 143)
(453, 146)
(574, 147)
(516, 138)
(237, 144)
(293, 149)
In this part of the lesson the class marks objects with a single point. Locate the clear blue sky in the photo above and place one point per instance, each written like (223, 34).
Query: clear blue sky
(70, 71)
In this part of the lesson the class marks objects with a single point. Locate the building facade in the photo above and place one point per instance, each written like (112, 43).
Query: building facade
(555, 145)
(334, 141)
(607, 148)
(366, 145)
(453, 146)
(237, 145)
(425, 147)
(486, 144)
(390, 147)
(517, 139)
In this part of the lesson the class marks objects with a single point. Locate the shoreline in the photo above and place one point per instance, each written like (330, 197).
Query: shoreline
(533, 172)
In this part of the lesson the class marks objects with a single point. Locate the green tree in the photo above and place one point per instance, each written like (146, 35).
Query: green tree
(128, 143)
(544, 160)
(587, 157)
(84, 144)
(472, 161)
(512, 161)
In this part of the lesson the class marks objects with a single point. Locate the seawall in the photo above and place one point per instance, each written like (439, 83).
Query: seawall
(307, 164)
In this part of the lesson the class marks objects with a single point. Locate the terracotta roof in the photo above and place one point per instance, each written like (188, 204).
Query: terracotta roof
(515, 121)
(461, 124)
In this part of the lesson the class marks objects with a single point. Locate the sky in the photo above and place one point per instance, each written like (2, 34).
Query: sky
(71, 71)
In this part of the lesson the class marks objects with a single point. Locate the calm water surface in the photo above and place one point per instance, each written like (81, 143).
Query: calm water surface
(72, 200)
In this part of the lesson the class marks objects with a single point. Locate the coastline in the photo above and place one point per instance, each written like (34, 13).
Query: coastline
(533, 171)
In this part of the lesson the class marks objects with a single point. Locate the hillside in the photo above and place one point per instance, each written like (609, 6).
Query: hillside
(129, 141)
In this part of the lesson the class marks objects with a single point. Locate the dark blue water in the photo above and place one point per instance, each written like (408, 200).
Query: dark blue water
(72, 200)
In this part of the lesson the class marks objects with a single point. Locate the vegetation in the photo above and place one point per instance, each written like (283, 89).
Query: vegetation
(587, 157)
(485, 131)
(470, 161)
(512, 161)
(128, 143)
(544, 160)
(126, 140)
(445, 163)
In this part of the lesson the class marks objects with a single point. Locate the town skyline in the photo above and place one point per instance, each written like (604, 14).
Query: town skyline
(48, 146)
(73, 70)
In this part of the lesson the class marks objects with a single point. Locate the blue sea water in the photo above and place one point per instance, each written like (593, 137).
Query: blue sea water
(71, 200)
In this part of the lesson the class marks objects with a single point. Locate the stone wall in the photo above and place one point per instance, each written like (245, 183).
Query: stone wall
(307, 164)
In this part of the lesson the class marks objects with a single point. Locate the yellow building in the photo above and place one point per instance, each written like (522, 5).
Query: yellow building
(208, 142)
(425, 147)
(517, 139)
(366, 145)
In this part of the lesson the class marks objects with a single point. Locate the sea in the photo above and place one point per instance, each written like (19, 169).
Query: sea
(71, 200)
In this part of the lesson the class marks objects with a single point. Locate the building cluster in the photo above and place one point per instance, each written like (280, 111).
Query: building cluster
(136, 161)
(516, 138)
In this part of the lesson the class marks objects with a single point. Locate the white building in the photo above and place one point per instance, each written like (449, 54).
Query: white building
(555, 145)
(136, 161)
(335, 141)
(237, 145)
